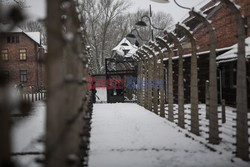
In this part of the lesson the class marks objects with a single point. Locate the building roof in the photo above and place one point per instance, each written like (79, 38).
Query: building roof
(231, 55)
(35, 36)
(124, 44)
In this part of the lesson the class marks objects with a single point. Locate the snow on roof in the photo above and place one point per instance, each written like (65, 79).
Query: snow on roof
(232, 54)
(215, 5)
(132, 51)
(35, 36)
(204, 5)
(125, 45)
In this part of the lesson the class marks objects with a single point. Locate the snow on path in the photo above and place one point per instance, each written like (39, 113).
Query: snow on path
(26, 132)
(127, 135)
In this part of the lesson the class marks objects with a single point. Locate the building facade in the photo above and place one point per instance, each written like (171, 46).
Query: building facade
(21, 59)
(225, 27)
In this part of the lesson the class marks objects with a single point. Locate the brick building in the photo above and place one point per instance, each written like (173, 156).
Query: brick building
(21, 54)
(225, 26)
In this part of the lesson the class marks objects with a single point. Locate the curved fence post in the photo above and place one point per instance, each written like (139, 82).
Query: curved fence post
(140, 78)
(143, 77)
(170, 80)
(161, 77)
(150, 85)
(213, 99)
(155, 81)
(181, 118)
(242, 143)
(147, 75)
(138, 95)
(194, 82)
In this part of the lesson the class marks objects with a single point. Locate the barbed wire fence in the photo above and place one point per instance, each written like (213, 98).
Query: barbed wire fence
(69, 103)
(199, 93)
(68, 137)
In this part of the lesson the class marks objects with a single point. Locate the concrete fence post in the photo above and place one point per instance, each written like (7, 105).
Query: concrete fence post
(161, 76)
(66, 81)
(194, 82)
(149, 80)
(154, 75)
(181, 119)
(213, 100)
(169, 79)
(242, 142)
(146, 79)
(142, 77)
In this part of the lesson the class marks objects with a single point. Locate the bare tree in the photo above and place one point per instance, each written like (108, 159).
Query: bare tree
(100, 15)
(35, 26)
(107, 24)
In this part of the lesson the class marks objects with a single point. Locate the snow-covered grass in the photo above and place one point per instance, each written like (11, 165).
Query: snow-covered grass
(26, 132)
(227, 130)
(127, 135)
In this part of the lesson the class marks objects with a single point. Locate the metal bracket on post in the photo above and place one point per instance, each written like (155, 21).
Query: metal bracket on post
(242, 142)
(213, 100)
(194, 82)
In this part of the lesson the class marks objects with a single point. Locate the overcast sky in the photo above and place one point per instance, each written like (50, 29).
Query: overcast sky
(38, 7)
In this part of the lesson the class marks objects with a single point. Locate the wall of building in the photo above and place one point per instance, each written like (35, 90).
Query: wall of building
(224, 23)
(14, 64)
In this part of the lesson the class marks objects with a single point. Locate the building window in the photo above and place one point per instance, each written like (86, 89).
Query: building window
(23, 54)
(17, 39)
(23, 76)
(4, 55)
(13, 39)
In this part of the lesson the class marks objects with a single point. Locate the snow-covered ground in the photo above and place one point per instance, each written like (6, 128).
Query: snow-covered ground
(127, 135)
(101, 95)
(26, 133)
(227, 129)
